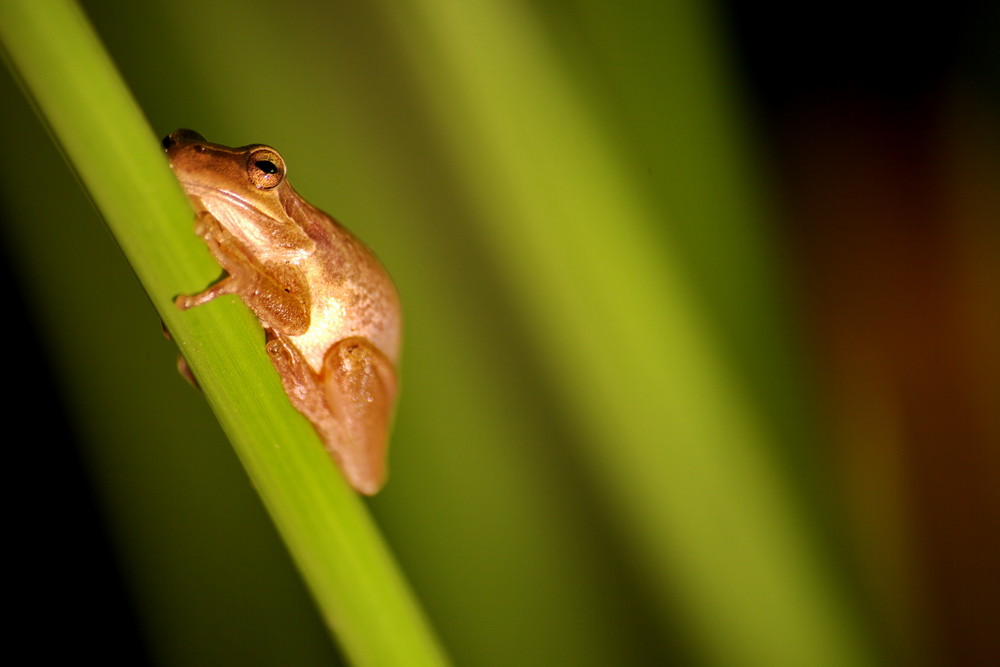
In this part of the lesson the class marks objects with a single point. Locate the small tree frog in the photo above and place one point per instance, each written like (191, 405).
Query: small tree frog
(330, 312)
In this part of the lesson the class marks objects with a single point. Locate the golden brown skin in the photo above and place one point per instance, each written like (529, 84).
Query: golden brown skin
(330, 311)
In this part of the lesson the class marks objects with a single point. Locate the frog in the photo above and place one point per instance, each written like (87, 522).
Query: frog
(330, 312)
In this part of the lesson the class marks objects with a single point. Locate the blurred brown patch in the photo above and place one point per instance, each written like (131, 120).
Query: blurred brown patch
(896, 217)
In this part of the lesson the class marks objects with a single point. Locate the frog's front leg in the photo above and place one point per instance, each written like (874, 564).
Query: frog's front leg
(241, 278)
(350, 403)
(225, 285)
(278, 293)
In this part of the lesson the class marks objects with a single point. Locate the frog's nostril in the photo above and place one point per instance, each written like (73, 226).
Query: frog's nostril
(183, 137)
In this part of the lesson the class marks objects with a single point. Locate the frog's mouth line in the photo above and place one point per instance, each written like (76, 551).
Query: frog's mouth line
(203, 192)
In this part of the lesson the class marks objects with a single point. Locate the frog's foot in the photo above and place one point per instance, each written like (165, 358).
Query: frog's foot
(182, 364)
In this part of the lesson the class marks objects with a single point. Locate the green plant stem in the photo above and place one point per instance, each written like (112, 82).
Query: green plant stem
(62, 66)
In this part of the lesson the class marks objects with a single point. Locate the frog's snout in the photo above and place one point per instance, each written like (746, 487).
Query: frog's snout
(181, 136)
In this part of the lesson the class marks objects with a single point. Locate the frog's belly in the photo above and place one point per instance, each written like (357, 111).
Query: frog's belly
(327, 325)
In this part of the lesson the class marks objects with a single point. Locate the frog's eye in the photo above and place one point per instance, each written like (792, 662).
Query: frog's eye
(265, 168)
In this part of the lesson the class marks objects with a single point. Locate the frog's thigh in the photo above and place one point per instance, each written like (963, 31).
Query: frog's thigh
(359, 383)
(301, 384)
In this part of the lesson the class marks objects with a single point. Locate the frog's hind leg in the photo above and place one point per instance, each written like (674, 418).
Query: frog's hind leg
(350, 403)
(359, 383)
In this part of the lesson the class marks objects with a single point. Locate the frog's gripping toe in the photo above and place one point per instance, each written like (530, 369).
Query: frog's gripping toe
(359, 384)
